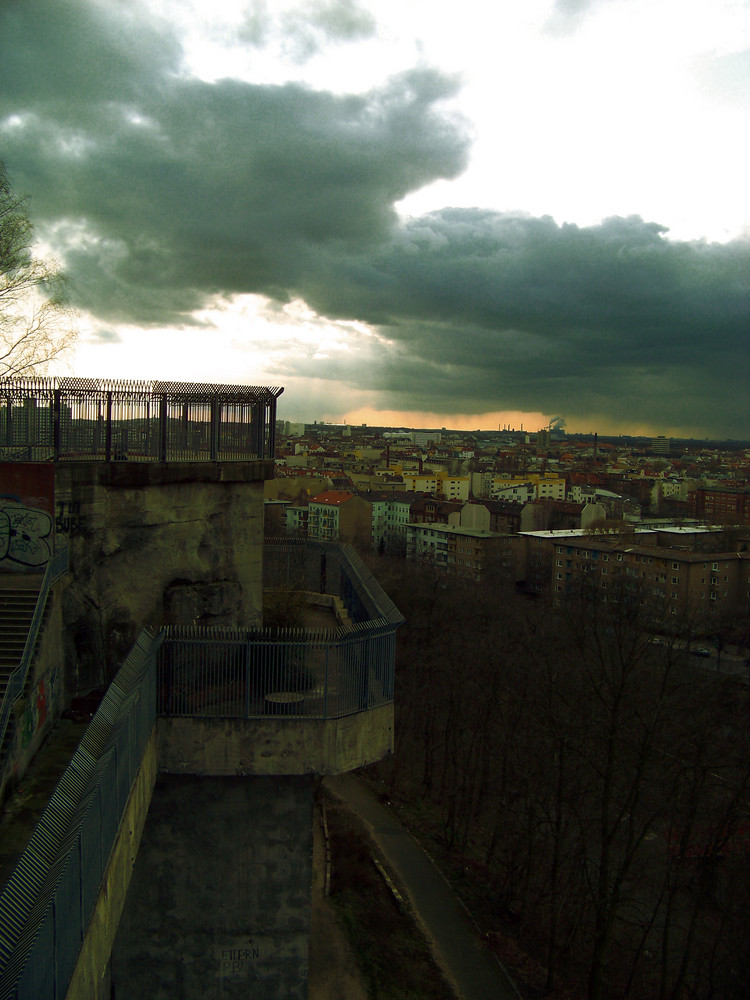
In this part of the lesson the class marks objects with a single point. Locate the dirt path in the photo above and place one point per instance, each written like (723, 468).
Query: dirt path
(334, 974)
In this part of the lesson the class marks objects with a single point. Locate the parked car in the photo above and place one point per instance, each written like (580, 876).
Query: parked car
(700, 651)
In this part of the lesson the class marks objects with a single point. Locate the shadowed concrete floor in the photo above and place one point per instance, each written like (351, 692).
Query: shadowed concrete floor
(219, 902)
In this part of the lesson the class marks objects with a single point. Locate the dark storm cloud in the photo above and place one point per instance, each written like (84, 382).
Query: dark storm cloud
(176, 189)
(160, 191)
(491, 311)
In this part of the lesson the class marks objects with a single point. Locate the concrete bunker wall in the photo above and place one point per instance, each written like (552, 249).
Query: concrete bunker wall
(275, 746)
(219, 902)
(158, 544)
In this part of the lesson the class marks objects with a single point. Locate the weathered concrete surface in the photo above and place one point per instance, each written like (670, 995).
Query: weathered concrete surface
(158, 544)
(219, 904)
(90, 980)
(39, 708)
(24, 807)
(274, 746)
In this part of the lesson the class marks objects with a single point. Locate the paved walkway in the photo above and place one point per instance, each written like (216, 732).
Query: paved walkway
(474, 972)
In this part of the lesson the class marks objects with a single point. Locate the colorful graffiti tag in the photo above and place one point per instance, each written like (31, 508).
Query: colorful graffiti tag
(23, 536)
(36, 709)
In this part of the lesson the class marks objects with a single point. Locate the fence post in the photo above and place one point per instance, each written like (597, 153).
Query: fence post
(215, 428)
(108, 430)
(55, 407)
(163, 427)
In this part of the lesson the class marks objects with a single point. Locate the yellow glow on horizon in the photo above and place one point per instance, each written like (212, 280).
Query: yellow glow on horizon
(515, 419)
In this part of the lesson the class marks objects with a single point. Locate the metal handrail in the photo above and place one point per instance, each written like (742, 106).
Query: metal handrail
(56, 567)
(333, 568)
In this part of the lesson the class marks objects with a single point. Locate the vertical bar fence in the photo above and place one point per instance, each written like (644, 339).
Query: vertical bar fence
(46, 905)
(45, 420)
(296, 672)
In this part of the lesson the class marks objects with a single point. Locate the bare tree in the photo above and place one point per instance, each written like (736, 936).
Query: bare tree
(36, 325)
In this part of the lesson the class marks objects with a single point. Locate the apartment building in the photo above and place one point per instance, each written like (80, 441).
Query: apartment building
(379, 503)
(466, 552)
(702, 585)
(499, 516)
(339, 515)
(430, 510)
(438, 484)
(557, 515)
(397, 515)
(295, 518)
(521, 489)
(720, 504)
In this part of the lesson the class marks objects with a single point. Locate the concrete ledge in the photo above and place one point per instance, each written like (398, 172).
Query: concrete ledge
(274, 746)
(136, 474)
(90, 980)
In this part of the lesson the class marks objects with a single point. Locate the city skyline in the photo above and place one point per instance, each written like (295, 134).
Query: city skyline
(399, 216)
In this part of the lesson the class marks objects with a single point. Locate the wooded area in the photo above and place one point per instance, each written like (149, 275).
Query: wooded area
(596, 783)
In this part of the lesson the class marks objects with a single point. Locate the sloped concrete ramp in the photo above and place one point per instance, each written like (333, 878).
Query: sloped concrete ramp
(219, 902)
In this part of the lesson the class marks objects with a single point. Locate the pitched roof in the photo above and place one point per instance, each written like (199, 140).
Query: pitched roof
(333, 497)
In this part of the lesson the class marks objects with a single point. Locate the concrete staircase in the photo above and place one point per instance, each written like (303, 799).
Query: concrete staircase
(339, 609)
(18, 597)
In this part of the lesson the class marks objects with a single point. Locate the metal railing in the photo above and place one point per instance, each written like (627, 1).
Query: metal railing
(46, 905)
(56, 567)
(205, 671)
(297, 672)
(328, 568)
(48, 419)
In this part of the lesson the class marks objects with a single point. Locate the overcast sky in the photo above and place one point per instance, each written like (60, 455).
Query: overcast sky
(416, 212)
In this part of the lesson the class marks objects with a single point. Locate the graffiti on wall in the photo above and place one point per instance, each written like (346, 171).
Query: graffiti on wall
(24, 534)
(36, 709)
(69, 520)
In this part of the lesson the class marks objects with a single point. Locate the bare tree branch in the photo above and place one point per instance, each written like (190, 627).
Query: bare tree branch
(36, 324)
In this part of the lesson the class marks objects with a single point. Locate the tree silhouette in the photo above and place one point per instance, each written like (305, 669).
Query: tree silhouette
(36, 325)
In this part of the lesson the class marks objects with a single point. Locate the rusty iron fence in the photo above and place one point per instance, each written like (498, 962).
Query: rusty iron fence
(49, 419)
